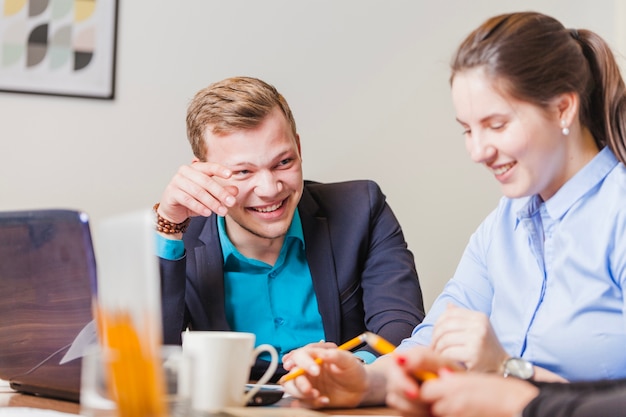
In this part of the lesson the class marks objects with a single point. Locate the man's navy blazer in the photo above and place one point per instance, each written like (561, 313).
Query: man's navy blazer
(363, 274)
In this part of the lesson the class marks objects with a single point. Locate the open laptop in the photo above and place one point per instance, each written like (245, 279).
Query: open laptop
(47, 280)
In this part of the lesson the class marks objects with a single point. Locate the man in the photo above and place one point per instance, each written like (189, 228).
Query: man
(264, 251)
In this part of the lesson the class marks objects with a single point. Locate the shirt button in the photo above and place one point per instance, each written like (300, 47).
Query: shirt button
(272, 274)
(279, 321)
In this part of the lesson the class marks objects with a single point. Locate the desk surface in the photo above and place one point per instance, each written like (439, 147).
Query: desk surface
(9, 398)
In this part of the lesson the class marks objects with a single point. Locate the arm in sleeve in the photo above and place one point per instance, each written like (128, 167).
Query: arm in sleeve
(173, 308)
(392, 296)
(469, 288)
(172, 260)
(582, 399)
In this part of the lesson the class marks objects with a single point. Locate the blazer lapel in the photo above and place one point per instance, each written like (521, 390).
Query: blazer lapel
(209, 280)
(319, 253)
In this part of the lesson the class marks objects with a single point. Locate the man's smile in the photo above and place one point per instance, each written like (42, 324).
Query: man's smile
(268, 209)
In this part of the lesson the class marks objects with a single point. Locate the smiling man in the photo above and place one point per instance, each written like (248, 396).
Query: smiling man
(247, 245)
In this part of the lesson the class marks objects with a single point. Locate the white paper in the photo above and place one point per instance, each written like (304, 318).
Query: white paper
(88, 336)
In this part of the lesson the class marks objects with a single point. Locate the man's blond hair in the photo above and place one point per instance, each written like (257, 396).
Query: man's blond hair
(233, 104)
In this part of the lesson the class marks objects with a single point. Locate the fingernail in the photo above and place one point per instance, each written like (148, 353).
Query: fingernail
(400, 360)
(222, 211)
(445, 371)
(410, 394)
(314, 370)
(230, 201)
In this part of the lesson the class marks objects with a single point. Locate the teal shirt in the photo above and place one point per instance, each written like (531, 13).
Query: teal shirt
(277, 303)
(170, 249)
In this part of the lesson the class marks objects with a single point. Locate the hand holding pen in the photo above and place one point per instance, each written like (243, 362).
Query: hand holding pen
(335, 378)
(378, 343)
(324, 376)
(404, 391)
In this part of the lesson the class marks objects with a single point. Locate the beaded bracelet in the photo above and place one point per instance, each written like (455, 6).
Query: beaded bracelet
(165, 226)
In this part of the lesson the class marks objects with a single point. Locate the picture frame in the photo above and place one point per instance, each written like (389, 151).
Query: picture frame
(61, 47)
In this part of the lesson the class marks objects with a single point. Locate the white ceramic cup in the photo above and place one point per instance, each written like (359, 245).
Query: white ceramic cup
(220, 368)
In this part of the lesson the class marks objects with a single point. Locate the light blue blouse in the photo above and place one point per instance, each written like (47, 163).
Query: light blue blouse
(551, 275)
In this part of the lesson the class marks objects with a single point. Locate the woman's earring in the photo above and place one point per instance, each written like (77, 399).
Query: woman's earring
(564, 128)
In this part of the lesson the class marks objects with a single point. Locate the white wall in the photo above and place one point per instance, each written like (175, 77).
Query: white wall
(366, 79)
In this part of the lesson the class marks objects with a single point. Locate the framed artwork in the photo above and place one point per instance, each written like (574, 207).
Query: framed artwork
(58, 47)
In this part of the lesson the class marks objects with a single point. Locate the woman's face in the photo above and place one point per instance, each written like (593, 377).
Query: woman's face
(519, 142)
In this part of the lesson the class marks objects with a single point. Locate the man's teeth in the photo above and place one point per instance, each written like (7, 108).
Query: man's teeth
(269, 209)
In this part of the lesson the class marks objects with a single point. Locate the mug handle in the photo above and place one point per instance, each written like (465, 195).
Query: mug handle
(268, 372)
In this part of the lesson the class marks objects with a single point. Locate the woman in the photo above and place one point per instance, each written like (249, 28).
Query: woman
(544, 109)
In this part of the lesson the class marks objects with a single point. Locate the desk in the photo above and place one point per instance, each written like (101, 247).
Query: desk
(10, 398)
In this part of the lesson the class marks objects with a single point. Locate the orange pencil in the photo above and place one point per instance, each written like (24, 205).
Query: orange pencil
(378, 343)
(350, 344)
(383, 347)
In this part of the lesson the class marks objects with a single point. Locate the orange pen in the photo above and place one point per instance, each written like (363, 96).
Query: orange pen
(350, 344)
(383, 347)
(378, 343)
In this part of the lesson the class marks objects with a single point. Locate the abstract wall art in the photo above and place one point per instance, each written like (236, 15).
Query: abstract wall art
(58, 47)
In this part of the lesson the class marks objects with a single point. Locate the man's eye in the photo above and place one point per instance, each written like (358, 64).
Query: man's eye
(285, 162)
(241, 173)
(497, 126)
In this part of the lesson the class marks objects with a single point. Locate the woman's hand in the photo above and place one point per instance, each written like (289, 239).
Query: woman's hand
(405, 375)
(467, 336)
(476, 395)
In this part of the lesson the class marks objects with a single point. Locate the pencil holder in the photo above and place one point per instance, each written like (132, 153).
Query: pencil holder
(128, 313)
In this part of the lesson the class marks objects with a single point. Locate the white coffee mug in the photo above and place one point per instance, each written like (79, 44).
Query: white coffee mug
(220, 368)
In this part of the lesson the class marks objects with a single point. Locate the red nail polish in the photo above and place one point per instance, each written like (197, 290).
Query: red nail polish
(445, 371)
(410, 394)
(400, 360)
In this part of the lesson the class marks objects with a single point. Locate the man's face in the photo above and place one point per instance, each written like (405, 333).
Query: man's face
(267, 170)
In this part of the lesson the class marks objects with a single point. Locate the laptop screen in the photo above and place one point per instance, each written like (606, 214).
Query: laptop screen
(47, 280)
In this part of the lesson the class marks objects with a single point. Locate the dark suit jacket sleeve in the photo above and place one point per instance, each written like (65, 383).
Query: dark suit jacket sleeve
(192, 288)
(582, 399)
(359, 258)
(392, 295)
(173, 299)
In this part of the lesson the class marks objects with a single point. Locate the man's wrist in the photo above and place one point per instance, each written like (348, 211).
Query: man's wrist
(167, 227)
(168, 247)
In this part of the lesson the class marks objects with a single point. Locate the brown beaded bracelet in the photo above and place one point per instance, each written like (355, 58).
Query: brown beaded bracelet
(166, 226)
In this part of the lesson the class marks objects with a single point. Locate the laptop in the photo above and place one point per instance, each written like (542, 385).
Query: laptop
(47, 281)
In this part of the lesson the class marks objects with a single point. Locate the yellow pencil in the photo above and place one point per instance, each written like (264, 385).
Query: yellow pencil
(378, 343)
(383, 347)
(350, 344)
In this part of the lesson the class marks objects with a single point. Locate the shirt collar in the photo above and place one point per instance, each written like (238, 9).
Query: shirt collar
(574, 189)
(294, 232)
